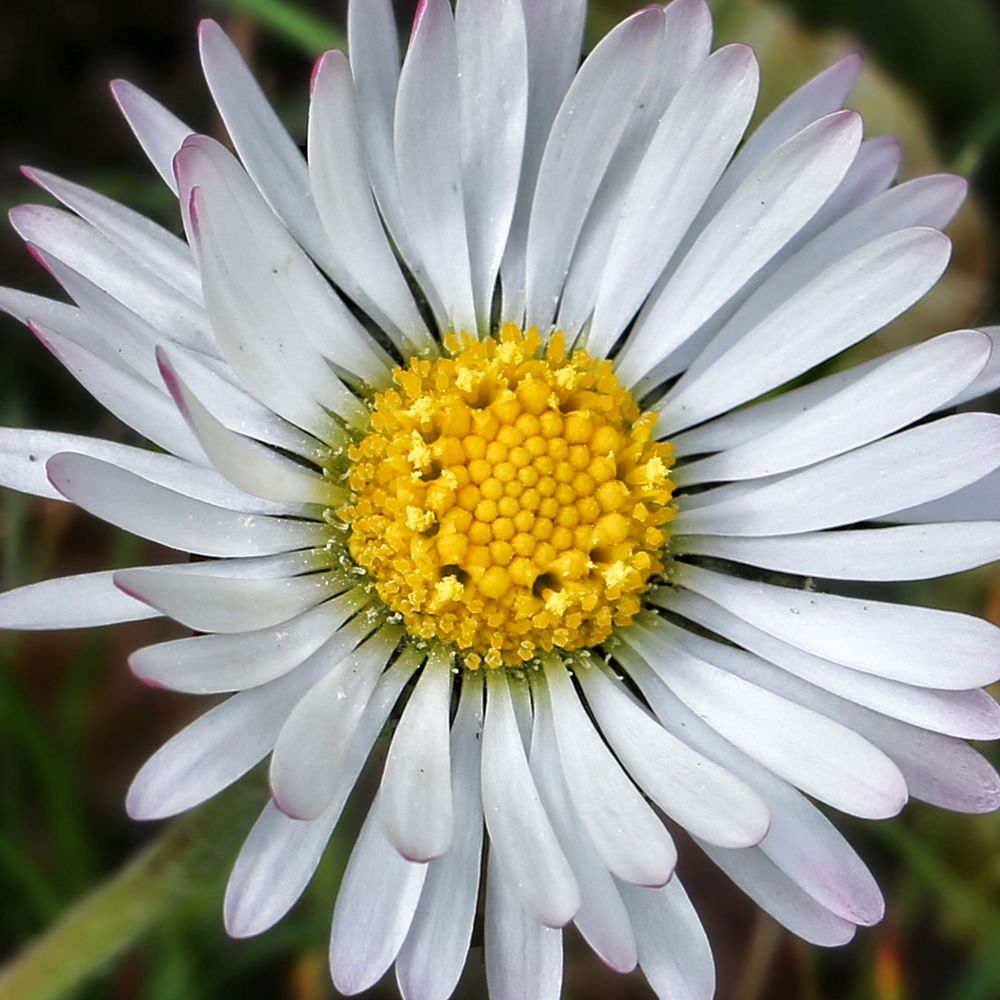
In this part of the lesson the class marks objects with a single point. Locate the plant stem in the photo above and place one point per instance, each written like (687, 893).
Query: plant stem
(118, 913)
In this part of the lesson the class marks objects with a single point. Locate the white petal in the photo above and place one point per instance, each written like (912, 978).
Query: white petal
(247, 464)
(686, 156)
(81, 601)
(222, 604)
(280, 855)
(415, 799)
(928, 202)
(134, 401)
(897, 393)
(686, 42)
(989, 379)
(159, 250)
(159, 132)
(702, 797)
(802, 842)
(373, 43)
(769, 208)
(901, 471)
(120, 274)
(375, 905)
(922, 646)
(248, 256)
(909, 552)
(314, 741)
(366, 267)
(523, 842)
(427, 131)
(271, 156)
(582, 142)
(212, 664)
(433, 956)
(523, 957)
(627, 834)
(493, 92)
(674, 952)
(853, 298)
(554, 34)
(980, 501)
(819, 97)
(602, 918)
(221, 745)
(940, 769)
(776, 894)
(145, 509)
(973, 714)
(25, 454)
(821, 757)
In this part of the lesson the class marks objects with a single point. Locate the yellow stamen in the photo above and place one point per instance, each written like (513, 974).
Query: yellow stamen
(510, 498)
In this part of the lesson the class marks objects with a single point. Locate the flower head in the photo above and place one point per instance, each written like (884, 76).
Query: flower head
(473, 415)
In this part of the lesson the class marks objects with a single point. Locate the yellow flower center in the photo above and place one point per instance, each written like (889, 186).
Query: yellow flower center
(509, 498)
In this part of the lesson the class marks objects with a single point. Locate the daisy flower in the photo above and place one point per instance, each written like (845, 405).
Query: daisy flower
(473, 414)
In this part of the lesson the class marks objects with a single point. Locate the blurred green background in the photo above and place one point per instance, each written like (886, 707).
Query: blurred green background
(75, 726)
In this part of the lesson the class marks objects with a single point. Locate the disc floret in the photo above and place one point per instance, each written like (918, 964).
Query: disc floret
(509, 498)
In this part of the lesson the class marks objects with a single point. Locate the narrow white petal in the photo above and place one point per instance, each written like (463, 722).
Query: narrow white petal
(221, 745)
(433, 956)
(366, 267)
(280, 854)
(223, 604)
(244, 462)
(702, 797)
(159, 250)
(922, 646)
(972, 714)
(907, 552)
(824, 759)
(126, 278)
(492, 51)
(145, 509)
(427, 130)
(159, 132)
(824, 94)
(554, 34)
(776, 894)
(523, 957)
(909, 468)
(801, 842)
(582, 142)
(212, 664)
(373, 43)
(314, 741)
(627, 834)
(928, 202)
(131, 399)
(254, 260)
(523, 842)
(939, 769)
(687, 39)
(271, 156)
(415, 797)
(81, 601)
(375, 905)
(685, 157)
(674, 952)
(769, 208)
(25, 454)
(989, 378)
(602, 919)
(894, 395)
(851, 299)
